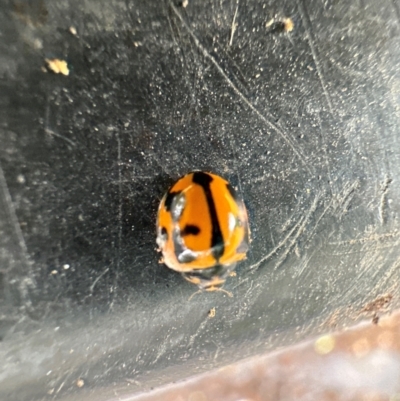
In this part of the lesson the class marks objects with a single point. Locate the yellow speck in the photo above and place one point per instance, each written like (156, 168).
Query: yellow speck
(232, 274)
(57, 66)
(361, 347)
(80, 383)
(72, 29)
(288, 24)
(54, 272)
(211, 312)
(185, 3)
(324, 345)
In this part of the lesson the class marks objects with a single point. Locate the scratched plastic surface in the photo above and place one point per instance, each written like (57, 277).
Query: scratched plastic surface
(359, 364)
(303, 122)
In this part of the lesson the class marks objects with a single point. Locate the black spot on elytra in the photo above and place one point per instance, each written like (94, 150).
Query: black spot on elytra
(217, 241)
(169, 199)
(190, 229)
(164, 233)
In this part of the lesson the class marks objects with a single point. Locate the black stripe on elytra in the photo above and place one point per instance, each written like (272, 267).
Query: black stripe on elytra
(217, 242)
(190, 229)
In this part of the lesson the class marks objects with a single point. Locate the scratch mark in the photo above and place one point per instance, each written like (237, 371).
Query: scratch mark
(162, 348)
(119, 219)
(12, 217)
(271, 124)
(201, 327)
(280, 245)
(119, 198)
(325, 150)
(98, 278)
(237, 170)
(384, 203)
(299, 231)
(389, 278)
(249, 289)
(242, 78)
(171, 29)
(53, 133)
(347, 196)
(311, 42)
(50, 131)
(234, 25)
(328, 206)
(396, 10)
(305, 264)
(217, 351)
(372, 238)
(60, 387)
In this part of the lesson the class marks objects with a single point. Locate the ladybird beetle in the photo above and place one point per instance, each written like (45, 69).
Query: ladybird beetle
(202, 229)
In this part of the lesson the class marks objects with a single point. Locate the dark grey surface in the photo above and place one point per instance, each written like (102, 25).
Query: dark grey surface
(304, 123)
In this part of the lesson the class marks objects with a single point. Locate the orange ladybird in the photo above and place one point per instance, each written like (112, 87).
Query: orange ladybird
(202, 229)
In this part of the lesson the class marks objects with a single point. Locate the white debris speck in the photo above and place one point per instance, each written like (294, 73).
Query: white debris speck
(21, 179)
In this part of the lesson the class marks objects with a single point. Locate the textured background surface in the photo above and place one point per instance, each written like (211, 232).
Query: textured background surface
(358, 364)
(304, 123)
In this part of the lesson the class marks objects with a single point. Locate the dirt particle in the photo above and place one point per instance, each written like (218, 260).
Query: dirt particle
(57, 66)
(288, 25)
(211, 313)
(279, 25)
(379, 304)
